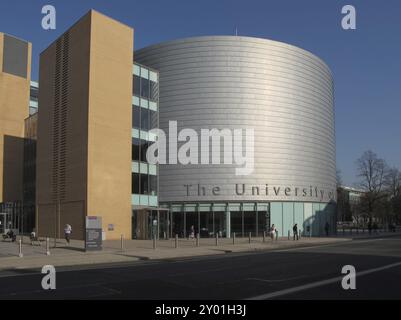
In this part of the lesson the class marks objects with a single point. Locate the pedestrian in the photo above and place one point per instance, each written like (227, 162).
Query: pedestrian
(295, 231)
(192, 232)
(327, 228)
(273, 231)
(67, 233)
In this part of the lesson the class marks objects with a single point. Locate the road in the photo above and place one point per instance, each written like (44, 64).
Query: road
(303, 273)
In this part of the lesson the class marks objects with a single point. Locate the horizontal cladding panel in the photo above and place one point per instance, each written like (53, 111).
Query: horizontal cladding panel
(252, 118)
(227, 172)
(175, 99)
(225, 101)
(286, 135)
(263, 107)
(259, 75)
(252, 87)
(254, 75)
(214, 96)
(213, 47)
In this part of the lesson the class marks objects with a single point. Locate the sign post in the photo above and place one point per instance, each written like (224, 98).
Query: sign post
(93, 231)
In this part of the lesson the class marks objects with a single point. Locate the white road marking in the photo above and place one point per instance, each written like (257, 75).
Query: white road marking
(330, 244)
(276, 280)
(319, 283)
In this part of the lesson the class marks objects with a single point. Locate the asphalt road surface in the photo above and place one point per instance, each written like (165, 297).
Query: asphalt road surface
(303, 273)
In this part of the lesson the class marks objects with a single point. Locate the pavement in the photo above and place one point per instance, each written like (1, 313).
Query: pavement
(305, 271)
(34, 256)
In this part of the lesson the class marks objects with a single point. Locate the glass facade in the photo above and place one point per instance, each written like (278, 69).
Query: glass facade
(144, 118)
(34, 96)
(147, 221)
(224, 219)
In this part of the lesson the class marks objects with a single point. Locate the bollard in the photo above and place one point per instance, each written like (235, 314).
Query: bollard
(122, 242)
(176, 240)
(47, 246)
(250, 237)
(289, 234)
(154, 241)
(264, 236)
(233, 237)
(20, 248)
(217, 239)
(197, 239)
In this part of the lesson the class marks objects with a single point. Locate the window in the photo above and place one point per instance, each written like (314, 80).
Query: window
(144, 148)
(153, 185)
(145, 88)
(135, 183)
(135, 149)
(137, 86)
(136, 117)
(34, 94)
(145, 119)
(144, 178)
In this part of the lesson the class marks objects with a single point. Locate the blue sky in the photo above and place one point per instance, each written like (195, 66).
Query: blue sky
(366, 62)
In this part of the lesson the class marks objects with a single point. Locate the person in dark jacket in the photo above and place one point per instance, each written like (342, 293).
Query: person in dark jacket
(327, 229)
(295, 231)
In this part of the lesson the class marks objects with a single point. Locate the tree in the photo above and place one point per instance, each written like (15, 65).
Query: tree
(393, 189)
(372, 172)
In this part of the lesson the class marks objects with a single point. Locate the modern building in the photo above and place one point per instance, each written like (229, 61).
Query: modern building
(15, 71)
(348, 203)
(286, 95)
(89, 123)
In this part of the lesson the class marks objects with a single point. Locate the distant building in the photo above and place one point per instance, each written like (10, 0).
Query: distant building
(348, 199)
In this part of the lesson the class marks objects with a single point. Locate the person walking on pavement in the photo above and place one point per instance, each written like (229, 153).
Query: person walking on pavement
(192, 233)
(295, 231)
(273, 231)
(67, 233)
(327, 228)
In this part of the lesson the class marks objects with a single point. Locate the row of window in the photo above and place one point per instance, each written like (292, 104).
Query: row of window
(144, 119)
(145, 73)
(144, 184)
(139, 149)
(145, 88)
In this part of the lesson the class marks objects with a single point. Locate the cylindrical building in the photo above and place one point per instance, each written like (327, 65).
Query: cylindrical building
(283, 93)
